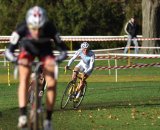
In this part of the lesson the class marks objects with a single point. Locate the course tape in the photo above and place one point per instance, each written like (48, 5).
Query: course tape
(90, 38)
(111, 57)
(126, 67)
(108, 57)
(118, 67)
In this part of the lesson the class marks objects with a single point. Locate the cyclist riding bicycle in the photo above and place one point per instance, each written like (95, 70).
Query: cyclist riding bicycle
(35, 37)
(85, 65)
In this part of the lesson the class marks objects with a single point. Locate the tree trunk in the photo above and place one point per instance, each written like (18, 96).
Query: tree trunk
(151, 23)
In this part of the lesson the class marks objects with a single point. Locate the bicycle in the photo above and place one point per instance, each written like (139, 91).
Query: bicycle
(42, 85)
(36, 107)
(69, 93)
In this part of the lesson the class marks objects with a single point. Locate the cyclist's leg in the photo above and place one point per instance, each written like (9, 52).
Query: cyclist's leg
(75, 73)
(50, 72)
(76, 70)
(80, 87)
(24, 74)
(84, 78)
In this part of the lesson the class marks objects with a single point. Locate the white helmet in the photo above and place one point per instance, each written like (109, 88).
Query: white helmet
(84, 45)
(36, 17)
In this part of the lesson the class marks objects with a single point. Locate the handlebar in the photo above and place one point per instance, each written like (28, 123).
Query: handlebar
(80, 73)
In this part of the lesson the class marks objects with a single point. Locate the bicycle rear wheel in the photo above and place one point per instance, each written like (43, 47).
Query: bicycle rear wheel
(67, 95)
(77, 102)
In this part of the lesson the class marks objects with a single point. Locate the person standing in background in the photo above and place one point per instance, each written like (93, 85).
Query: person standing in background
(131, 30)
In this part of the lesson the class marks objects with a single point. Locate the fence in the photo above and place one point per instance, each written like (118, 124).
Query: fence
(106, 55)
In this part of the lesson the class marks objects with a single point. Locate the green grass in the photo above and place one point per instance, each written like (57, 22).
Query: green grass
(106, 106)
(133, 103)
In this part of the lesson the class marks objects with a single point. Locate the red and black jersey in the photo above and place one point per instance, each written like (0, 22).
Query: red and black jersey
(42, 46)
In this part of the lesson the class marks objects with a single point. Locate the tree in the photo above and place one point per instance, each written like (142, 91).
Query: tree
(151, 20)
(89, 17)
(73, 17)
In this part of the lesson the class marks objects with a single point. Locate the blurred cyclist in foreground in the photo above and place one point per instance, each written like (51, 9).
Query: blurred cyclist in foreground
(35, 37)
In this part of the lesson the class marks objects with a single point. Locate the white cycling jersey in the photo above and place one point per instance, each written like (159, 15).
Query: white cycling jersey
(86, 63)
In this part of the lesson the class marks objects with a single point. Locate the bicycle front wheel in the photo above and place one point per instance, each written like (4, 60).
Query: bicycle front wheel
(77, 102)
(67, 94)
(36, 111)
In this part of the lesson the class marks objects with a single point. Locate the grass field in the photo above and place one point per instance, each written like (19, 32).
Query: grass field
(133, 103)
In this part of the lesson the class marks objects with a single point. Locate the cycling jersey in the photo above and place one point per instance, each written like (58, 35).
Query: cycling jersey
(42, 46)
(86, 63)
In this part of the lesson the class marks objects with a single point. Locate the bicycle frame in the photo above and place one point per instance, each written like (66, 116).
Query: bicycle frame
(36, 94)
(70, 90)
(79, 73)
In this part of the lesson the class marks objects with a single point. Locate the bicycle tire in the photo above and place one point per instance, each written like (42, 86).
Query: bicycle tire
(39, 120)
(67, 94)
(76, 104)
(36, 112)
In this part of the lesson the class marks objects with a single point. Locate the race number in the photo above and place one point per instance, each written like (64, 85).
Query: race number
(14, 38)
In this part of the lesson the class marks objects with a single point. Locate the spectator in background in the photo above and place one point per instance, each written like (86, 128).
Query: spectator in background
(131, 29)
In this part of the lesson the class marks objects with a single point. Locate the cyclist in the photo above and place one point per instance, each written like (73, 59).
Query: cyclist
(35, 38)
(85, 65)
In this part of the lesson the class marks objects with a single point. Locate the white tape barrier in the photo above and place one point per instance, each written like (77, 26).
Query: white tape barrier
(109, 55)
(118, 55)
(143, 47)
(99, 50)
(5, 39)
(124, 67)
(134, 55)
(92, 37)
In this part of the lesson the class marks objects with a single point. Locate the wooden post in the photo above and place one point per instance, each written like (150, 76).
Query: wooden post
(8, 65)
(5, 61)
(71, 46)
(129, 58)
(109, 65)
(116, 69)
